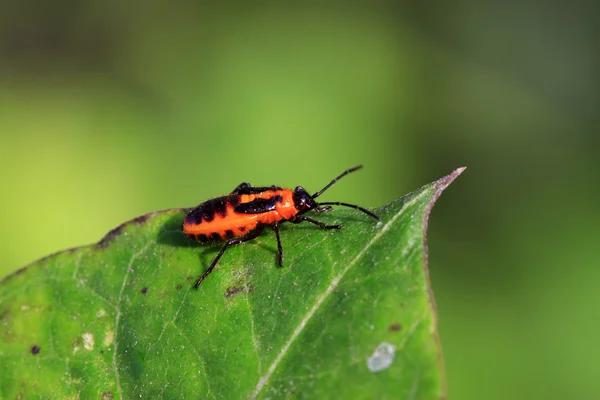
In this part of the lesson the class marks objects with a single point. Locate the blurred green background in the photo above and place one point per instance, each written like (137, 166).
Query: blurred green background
(109, 110)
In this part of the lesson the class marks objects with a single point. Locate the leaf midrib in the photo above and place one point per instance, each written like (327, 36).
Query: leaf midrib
(321, 299)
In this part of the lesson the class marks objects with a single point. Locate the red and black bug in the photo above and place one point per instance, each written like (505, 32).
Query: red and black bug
(242, 215)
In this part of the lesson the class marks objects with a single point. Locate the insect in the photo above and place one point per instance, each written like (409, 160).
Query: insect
(242, 215)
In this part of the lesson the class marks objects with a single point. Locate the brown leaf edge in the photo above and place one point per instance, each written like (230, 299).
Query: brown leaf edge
(103, 243)
(440, 186)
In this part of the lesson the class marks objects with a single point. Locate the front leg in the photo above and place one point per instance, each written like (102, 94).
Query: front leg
(301, 218)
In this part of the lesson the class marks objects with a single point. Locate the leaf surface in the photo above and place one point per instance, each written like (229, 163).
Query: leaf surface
(350, 315)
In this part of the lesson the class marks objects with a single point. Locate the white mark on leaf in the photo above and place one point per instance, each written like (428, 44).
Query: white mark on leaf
(382, 357)
(88, 341)
(108, 339)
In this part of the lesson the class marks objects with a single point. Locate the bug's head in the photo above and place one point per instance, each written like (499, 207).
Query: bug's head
(303, 200)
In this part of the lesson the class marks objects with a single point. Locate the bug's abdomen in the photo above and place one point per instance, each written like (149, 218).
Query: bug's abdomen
(237, 214)
(215, 220)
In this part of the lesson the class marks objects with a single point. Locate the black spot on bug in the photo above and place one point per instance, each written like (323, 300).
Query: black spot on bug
(179, 286)
(257, 206)
(229, 234)
(242, 229)
(144, 290)
(35, 349)
(233, 199)
(206, 211)
(215, 237)
(395, 327)
(220, 206)
(202, 238)
(197, 215)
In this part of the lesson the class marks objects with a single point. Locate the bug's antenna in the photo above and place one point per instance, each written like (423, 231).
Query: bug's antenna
(343, 174)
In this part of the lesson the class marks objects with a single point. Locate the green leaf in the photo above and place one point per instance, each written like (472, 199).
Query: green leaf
(350, 315)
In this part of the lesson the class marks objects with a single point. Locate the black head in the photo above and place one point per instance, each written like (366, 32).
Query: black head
(303, 201)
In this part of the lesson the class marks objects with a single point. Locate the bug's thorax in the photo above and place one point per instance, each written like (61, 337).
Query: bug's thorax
(284, 208)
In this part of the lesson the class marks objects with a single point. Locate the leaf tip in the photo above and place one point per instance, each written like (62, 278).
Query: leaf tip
(444, 182)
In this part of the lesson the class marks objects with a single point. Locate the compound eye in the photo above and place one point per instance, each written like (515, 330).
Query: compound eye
(302, 202)
(299, 189)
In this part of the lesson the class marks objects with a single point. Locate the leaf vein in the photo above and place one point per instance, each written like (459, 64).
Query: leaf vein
(321, 299)
(118, 316)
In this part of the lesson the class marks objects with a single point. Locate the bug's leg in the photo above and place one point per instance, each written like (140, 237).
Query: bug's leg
(251, 235)
(359, 208)
(279, 248)
(302, 218)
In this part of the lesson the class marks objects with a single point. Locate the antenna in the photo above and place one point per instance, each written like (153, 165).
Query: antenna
(343, 174)
(337, 203)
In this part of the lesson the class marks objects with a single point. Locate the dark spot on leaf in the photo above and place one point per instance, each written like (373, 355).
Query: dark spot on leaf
(233, 290)
(35, 349)
(179, 286)
(144, 290)
(5, 315)
(395, 327)
(101, 351)
(189, 278)
(107, 395)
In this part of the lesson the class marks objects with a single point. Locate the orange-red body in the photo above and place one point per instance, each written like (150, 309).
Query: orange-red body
(230, 223)
(242, 215)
